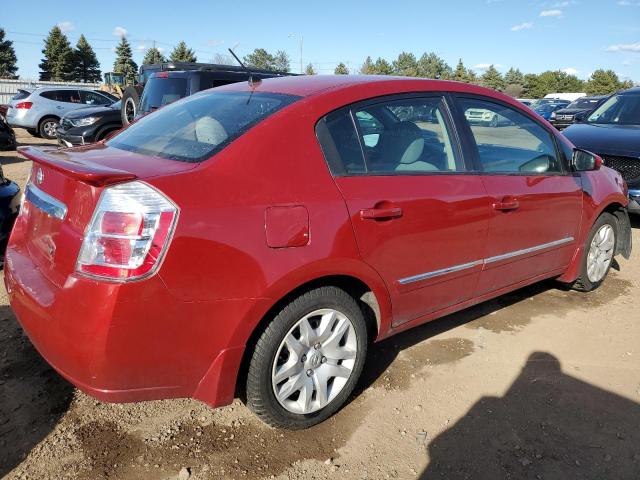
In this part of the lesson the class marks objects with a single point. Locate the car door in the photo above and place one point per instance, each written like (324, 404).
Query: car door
(419, 219)
(536, 200)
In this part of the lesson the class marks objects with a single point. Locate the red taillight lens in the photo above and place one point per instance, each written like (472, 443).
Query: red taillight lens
(129, 233)
(25, 105)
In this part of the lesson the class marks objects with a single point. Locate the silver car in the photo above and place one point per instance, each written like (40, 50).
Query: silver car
(40, 110)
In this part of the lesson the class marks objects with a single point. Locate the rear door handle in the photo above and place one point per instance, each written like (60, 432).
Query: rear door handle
(506, 204)
(380, 213)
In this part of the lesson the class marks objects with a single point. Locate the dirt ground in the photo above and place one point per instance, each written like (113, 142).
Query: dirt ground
(541, 384)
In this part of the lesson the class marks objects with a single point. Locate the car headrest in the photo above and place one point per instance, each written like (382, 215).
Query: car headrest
(403, 141)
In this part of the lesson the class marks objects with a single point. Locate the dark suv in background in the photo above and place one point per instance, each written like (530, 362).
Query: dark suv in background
(577, 109)
(180, 79)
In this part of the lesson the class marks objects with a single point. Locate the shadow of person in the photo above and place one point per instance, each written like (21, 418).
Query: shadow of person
(32, 395)
(549, 425)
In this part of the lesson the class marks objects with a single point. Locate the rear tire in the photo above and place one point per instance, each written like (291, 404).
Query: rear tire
(130, 102)
(48, 126)
(311, 354)
(598, 254)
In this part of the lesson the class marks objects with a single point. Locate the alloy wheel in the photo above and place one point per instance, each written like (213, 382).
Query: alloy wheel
(314, 361)
(600, 253)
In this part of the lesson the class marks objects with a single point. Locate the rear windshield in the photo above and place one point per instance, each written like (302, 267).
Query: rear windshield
(199, 126)
(21, 95)
(158, 92)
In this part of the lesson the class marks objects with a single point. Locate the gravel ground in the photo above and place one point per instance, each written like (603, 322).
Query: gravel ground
(543, 383)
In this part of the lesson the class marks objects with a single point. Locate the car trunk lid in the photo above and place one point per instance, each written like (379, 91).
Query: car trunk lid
(61, 195)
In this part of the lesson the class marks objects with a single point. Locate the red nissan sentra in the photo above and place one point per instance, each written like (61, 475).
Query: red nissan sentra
(252, 239)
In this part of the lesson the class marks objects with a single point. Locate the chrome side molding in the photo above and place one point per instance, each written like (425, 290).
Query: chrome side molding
(497, 258)
(524, 251)
(45, 202)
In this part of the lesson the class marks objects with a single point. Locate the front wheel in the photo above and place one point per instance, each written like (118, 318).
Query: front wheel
(308, 360)
(599, 251)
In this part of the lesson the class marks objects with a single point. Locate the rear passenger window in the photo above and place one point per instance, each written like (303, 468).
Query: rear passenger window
(68, 96)
(409, 136)
(509, 141)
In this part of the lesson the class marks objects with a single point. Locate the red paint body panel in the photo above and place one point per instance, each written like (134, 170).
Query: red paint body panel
(183, 331)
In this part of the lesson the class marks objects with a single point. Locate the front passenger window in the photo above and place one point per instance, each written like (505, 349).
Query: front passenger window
(509, 141)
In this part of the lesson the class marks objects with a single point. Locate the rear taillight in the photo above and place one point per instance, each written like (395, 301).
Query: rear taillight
(25, 105)
(129, 233)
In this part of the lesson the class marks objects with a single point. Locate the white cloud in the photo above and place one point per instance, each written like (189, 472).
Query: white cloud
(551, 13)
(66, 26)
(119, 32)
(571, 71)
(627, 3)
(622, 47)
(521, 26)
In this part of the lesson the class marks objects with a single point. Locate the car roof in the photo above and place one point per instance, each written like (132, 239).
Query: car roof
(62, 87)
(631, 91)
(315, 85)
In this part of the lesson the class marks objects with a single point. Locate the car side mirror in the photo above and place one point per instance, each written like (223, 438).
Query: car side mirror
(579, 117)
(584, 161)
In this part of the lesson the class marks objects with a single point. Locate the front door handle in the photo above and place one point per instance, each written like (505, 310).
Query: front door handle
(384, 213)
(507, 204)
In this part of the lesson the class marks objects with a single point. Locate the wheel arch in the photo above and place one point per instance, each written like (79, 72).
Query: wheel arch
(106, 129)
(617, 209)
(372, 299)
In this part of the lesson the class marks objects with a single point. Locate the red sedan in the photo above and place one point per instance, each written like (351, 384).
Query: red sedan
(254, 238)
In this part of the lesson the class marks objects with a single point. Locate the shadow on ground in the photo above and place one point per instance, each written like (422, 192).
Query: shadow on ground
(33, 396)
(549, 425)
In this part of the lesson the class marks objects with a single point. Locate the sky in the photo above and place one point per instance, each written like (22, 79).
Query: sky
(577, 36)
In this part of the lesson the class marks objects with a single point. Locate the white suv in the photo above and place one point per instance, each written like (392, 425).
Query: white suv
(40, 110)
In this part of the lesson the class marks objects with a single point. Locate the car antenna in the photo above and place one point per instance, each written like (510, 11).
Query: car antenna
(252, 82)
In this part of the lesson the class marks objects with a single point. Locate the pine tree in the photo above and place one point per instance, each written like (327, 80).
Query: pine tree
(281, 62)
(181, 53)
(603, 82)
(382, 67)
(406, 65)
(153, 55)
(260, 59)
(86, 67)
(367, 67)
(514, 77)
(57, 63)
(8, 59)
(460, 73)
(310, 70)
(124, 62)
(341, 69)
(492, 78)
(431, 65)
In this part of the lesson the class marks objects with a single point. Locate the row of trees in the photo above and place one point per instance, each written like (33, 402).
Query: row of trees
(65, 63)
(61, 62)
(513, 83)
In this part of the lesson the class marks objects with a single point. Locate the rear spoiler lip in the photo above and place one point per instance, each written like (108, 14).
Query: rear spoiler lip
(87, 172)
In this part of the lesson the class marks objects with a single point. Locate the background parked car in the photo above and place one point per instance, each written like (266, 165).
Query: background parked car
(485, 117)
(564, 117)
(7, 136)
(613, 132)
(545, 109)
(40, 110)
(89, 125)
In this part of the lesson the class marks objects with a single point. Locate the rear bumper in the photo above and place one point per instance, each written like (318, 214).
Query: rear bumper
(126, 342)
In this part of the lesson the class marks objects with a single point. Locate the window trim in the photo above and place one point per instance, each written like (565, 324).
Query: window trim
(323, 136)
(471, 147)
